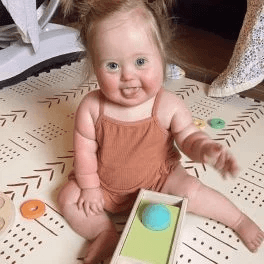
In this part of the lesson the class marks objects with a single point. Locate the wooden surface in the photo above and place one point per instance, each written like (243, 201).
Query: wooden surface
(204, 55)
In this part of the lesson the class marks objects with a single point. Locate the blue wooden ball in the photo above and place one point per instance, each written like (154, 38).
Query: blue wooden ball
(156, 217)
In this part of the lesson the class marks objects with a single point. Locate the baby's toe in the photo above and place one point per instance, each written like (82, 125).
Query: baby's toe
(261, 234)
(259, 238)
(253, 247)
(255, 244)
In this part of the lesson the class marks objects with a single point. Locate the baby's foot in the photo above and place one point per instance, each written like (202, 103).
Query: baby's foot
(102, 247)
(250, 233)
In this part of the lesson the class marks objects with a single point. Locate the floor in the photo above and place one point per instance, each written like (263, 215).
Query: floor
(36, 156)
(204, 55)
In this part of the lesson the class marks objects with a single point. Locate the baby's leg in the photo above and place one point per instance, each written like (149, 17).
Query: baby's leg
(209, 203)
(98, 229)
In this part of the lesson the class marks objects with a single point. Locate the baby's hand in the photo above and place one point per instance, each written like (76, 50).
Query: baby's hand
(91, 201)
(217, 156)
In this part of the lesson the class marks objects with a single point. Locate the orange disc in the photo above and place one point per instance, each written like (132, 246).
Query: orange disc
(32, 209)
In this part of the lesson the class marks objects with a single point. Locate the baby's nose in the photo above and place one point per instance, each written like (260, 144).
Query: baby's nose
(127, 73)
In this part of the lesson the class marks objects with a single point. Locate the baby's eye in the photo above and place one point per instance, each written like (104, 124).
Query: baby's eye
(140, 61)
(112, 66)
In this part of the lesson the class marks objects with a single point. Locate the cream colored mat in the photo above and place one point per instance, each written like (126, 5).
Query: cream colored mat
(36, 154)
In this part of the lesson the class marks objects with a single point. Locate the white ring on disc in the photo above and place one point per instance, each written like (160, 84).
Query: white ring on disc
(7, 214)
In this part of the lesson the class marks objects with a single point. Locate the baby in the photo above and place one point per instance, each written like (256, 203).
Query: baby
(125, 131)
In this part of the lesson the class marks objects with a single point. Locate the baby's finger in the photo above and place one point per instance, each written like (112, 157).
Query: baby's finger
(212, 154)
(233, 167)
(217, 149)
(220, 163)
(80, 204)
(224, 171)
(100, 207)
(94, 208)
(102, 202)
(86, 208)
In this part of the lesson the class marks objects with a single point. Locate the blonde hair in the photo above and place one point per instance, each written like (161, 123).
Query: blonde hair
(89, 12)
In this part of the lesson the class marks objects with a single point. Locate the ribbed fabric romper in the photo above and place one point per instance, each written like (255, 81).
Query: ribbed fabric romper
(132, 155)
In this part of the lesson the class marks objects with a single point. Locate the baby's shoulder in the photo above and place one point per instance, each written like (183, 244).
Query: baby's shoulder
(90, 104)
(171, 102)
(91, 98)
(169, 105)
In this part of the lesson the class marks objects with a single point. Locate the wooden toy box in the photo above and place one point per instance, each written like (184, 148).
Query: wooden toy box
(140, 245)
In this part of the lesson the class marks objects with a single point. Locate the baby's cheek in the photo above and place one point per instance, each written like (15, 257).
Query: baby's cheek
(153, 82)
(100, 76)
(105, 81)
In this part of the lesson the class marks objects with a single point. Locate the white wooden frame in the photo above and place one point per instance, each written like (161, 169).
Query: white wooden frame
(7, 213)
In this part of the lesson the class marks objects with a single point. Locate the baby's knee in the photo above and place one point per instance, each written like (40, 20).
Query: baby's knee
(191, 187)
(182, 185)
(61, 199)
(194, 186)
(69, 194)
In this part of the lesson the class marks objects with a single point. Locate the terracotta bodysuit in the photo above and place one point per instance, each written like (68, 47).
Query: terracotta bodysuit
(132, 155)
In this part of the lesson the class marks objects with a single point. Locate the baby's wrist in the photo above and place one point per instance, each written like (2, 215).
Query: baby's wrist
(90, 188)
(204, 142)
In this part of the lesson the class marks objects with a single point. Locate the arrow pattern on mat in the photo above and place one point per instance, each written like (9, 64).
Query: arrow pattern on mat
(15, 185)
(3, 120)
(194, 167)
(50, 101)
(13, 116)
(38, 177)
(51, 170)
(33, 178)
(187, 90)
(64, 95)
(243, 122)
(57, 97)
(92, 85)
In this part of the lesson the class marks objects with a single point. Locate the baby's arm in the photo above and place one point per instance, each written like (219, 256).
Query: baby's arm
(85, 163)
(197, 145)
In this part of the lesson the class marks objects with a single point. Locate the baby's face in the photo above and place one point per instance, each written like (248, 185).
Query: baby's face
(126, 60)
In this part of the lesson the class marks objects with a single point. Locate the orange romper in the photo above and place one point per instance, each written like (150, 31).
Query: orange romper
(132, 155)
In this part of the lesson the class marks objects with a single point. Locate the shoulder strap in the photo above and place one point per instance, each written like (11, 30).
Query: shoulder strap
(156, 102)
(101, 103)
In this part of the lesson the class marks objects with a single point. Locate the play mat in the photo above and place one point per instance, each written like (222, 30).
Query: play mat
(36, 154)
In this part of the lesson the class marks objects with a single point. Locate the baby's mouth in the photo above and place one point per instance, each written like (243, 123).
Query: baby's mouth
(130, 91)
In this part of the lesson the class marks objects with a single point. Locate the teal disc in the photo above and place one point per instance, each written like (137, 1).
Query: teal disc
(156, 217)
(217, 123)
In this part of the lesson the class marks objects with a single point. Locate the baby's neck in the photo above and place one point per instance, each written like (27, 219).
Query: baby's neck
(129, 113)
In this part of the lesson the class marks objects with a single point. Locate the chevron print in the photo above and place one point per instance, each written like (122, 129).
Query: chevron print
(12, 117)
(49, 172)
(187, 91)
(241, 125)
